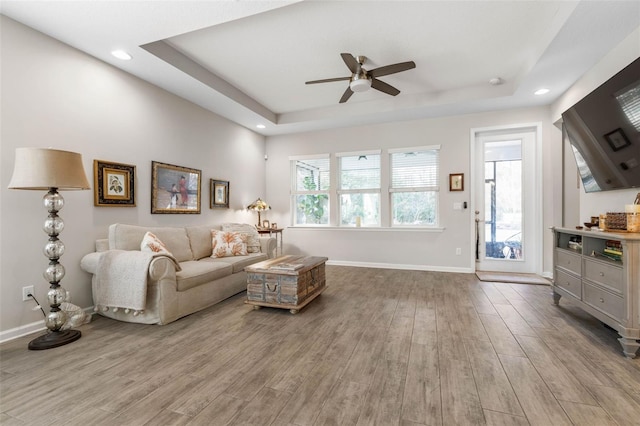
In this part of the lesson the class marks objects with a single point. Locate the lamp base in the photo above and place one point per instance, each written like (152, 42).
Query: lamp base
(53, 339)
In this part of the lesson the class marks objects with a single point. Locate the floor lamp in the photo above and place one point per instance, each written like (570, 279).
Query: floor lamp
(51, 170)
(259, 206)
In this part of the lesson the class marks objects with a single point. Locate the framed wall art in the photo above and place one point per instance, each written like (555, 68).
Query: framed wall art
(114, 184)
(219, 193)
(456, 182)
(175, 189)
(617, 139)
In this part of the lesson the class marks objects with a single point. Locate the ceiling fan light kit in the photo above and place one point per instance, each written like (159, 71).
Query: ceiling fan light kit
(360, 85)
(361, 79)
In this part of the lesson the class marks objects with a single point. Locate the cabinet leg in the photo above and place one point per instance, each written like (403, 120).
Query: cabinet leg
(629, 346)
(556, 298)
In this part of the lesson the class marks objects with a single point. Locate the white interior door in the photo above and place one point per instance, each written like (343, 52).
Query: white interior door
(506, 201)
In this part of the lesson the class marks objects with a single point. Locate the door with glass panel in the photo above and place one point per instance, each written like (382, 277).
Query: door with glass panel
(506, 210)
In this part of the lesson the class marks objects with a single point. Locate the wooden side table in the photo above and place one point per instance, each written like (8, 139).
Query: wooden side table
(272, 231)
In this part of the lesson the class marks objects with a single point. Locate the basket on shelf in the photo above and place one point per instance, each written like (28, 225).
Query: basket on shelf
(616, 221)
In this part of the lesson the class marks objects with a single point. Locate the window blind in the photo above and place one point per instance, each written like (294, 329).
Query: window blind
(415, 170)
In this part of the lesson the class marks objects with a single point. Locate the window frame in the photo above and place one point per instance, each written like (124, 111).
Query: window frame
(417, 189)
(375, 190)
(295, 192)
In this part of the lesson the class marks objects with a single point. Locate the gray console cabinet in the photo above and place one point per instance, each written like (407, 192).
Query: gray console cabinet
(605, 288)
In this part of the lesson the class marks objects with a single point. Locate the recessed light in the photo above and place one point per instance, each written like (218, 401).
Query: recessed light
(496, 81)
(121, 54)
(261, 126)
(541, 92)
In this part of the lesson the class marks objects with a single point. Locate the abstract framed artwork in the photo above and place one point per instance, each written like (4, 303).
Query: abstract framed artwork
(114, 184)
(219, 193)
(175, 189)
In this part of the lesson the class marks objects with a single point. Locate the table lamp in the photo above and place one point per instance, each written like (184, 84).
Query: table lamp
(51, 170)
(259, 206)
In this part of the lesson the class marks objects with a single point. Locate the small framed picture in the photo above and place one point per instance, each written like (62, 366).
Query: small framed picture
(456, 182)
(617, 139)
(274, 225)
(219, 194)
(174, 189)
(265, 224)
(113, 184)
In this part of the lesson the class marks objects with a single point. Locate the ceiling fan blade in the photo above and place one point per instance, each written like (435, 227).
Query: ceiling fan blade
(346, 95)
(328, 80)
(384, 87)
(392, 69)
(351, 62)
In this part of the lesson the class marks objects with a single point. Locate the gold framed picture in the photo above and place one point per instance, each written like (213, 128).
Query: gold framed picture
(113, 184)
(174, 189)
(456, 182)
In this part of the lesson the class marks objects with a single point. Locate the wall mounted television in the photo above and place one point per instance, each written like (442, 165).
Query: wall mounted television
(604, 131)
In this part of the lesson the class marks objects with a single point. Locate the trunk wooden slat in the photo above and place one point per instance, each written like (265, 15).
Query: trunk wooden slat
(287, 282)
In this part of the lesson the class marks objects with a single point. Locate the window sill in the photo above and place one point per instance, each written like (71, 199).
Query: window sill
(366, 228)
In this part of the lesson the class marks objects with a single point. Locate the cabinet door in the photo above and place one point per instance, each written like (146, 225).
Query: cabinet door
(609, 276)
(569, 261)
(604, 301)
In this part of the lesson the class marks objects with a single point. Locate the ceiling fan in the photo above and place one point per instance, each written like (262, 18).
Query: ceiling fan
(361, 79)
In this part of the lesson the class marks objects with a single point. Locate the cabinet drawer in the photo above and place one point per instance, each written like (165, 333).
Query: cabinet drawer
(568, 261)
(604, 301)
(569, 283)
(603, 274)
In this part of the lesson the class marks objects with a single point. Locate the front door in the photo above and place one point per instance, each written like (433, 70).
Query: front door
(507, 210)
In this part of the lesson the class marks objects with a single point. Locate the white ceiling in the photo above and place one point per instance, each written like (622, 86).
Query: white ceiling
(248, 60)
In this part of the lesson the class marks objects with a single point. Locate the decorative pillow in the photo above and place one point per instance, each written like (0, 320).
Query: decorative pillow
(152, 243)
(253, 238)
(225, 244)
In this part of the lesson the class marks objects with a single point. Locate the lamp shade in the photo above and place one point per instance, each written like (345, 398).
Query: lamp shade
(259, 205)
(44, 168)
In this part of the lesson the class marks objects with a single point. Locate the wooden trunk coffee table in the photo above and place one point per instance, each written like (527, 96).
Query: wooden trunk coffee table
(287, 282)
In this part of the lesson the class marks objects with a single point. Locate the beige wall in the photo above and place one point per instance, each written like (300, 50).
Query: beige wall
(592, 204)
(412, 249)
(55, 96)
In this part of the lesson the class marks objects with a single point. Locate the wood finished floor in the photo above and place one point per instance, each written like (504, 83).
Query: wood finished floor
(379, 347)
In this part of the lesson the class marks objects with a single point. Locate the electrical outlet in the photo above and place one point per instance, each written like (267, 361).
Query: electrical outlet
(458, 251)
(26, 291)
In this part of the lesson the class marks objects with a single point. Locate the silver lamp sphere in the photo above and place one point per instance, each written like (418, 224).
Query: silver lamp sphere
(56, 295)
(54, 273)
(54, 249)
(53, 225)
(55, 320)
(53, 201)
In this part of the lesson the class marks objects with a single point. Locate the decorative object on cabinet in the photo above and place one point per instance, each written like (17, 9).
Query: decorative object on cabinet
(456, 182)
(114, 184)
(174, 189)
(259, 206)
(601, 277)
(51, 170)
(219, 193)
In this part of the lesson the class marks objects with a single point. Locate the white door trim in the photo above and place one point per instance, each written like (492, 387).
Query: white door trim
(536, 127)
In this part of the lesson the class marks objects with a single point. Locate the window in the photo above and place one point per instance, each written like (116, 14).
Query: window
(310, 190)
(414, 186)
(359, 188)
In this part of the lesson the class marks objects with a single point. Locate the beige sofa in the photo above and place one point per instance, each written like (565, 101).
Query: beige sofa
(173, 292)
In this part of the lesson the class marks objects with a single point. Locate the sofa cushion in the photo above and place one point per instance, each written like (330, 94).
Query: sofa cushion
(253, 238)
(240, 262)
(225, 244)
(129, 237)
(151, 243)
(195, 273)
(200, 239)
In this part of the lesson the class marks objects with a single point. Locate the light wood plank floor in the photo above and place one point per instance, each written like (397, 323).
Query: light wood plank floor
(379, 347)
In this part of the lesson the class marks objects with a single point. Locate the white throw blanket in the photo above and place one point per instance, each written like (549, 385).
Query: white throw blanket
(121, 280)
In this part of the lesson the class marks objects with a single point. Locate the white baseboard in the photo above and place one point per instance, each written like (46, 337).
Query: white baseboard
(25, 330)
(21, 331)
(399, 266)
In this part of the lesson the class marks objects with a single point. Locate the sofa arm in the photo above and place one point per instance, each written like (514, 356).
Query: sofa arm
(268, 246)
(89, 263)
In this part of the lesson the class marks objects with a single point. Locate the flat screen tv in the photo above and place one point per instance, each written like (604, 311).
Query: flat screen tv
(604, 131)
